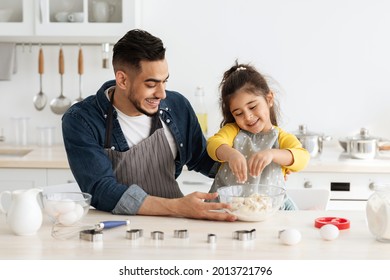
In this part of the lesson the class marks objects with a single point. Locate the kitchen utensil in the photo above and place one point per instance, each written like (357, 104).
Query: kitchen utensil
(363, 145)
(250, 202)
(24, 214)
(312, 142)
(60, 104)
(67, 232)
(340, 223)
(384, 147)
(40, 99)
(81, 72)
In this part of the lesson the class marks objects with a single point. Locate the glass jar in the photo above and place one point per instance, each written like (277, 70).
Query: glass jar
(201, 109)
(378, 213)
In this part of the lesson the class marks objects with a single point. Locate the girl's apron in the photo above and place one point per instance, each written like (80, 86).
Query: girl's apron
(149, 164)
(249, 144)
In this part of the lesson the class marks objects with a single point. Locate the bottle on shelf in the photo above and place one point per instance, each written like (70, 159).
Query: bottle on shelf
(201, 109)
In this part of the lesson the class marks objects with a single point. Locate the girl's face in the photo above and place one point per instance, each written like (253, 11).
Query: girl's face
(251, 111)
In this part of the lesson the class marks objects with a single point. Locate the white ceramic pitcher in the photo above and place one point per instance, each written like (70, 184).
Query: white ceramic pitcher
(23, 213)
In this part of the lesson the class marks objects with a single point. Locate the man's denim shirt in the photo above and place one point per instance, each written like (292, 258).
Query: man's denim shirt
(84, 127)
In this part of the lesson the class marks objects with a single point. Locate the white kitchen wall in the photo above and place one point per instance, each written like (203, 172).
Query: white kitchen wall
(328, 60)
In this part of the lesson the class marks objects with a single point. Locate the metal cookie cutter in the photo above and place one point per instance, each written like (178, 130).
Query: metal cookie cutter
(244, 235)
(140, 231)
(180, 233)
(211, 238)
(91, 235)
(134, 234)
(157, 235)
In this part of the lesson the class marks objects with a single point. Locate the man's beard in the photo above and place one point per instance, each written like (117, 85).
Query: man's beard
(137, 105)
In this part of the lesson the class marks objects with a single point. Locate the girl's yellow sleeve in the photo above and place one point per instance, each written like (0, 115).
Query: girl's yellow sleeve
(225, 135)
(290, 142)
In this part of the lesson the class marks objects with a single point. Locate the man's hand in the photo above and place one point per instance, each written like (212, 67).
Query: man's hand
(189, 206)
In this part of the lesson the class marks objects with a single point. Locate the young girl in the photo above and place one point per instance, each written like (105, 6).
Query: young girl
(250, 145)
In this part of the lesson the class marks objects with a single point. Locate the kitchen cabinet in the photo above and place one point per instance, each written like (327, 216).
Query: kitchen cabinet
(349, 190)
(50, 20)
(59, 176)
(25, 178)
(21, 21)
(21, 178)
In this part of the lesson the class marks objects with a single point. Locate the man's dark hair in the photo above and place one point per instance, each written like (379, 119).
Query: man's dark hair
(135, 46)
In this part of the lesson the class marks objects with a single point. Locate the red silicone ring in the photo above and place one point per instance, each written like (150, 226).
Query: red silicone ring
(341, 223)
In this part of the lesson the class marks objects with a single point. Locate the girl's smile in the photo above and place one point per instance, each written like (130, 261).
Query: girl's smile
(251, 111)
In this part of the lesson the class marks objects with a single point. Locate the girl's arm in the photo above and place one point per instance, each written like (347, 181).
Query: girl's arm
(220, 148)
(225, 136)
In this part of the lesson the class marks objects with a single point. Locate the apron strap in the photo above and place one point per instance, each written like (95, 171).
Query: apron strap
(107, 141)
(156, 124)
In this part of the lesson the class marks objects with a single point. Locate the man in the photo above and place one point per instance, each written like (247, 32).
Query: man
(127, 144)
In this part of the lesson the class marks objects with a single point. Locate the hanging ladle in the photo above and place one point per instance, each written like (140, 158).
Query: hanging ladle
(81, 72)
(40, 99)
(60, 104)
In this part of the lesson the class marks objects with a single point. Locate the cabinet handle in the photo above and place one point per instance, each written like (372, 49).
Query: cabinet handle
(307, 185)
(374, 186)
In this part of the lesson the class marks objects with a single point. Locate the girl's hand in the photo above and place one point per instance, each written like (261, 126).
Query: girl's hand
(288, 172)
(259, 161)
(237, 164)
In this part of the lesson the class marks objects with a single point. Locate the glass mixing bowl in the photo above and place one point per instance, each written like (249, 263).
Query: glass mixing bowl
(251, 202)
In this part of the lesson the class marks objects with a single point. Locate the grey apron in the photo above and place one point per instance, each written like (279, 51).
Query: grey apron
(249, 144)
(149, 164)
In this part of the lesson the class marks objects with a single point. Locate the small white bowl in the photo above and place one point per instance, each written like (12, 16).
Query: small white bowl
(5, 15)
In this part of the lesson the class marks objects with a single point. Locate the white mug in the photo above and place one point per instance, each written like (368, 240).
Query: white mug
(102, 11)
(76, 17)
(61, 16)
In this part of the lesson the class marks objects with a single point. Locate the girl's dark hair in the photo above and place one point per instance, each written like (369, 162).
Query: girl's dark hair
(243, 77)
(135, 46)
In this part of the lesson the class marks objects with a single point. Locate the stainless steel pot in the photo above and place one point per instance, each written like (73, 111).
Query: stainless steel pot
(361, 146)
(312, 142)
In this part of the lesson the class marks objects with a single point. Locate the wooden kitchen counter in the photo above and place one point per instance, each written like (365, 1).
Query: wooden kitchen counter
(354, 243)
(37, 157)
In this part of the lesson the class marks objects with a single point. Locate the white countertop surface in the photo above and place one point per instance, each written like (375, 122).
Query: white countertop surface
(354, 243)
(334, 159)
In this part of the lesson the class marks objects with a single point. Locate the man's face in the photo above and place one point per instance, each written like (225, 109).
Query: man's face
(147, 87)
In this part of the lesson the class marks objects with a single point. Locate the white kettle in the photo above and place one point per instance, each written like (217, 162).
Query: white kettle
(23, 212)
